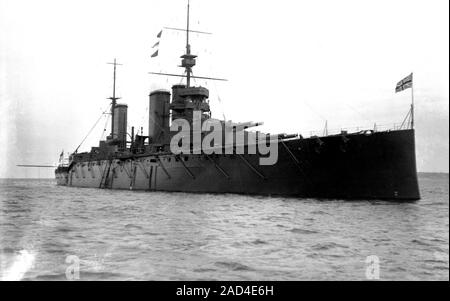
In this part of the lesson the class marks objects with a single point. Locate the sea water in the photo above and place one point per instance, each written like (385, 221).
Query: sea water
(50, 232)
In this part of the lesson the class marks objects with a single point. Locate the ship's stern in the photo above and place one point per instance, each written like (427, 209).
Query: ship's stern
(62, 175)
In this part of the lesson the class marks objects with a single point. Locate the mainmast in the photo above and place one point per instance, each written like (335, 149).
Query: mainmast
(113, 98)
(188, 59)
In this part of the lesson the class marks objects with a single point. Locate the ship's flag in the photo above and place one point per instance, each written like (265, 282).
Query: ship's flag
(157, 45)
(404, 84)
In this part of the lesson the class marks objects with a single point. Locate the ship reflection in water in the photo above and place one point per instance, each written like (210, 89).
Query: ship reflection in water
(124, 235)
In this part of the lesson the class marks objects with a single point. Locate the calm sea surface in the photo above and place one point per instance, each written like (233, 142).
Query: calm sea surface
(124, 235)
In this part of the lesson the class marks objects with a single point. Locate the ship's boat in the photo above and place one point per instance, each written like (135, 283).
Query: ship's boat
(188, 151)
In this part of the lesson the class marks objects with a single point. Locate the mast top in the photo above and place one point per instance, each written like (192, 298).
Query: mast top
(114, 98)
(188, 60)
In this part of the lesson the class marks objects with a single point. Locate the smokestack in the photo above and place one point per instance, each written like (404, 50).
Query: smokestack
(158, 124)
(120, 124)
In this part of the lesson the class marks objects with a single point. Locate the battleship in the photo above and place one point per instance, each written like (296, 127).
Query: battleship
(364, 164)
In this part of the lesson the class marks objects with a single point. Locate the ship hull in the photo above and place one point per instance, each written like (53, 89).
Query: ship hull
(371, 165)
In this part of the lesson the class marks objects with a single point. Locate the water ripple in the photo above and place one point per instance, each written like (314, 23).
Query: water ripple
(123, 235)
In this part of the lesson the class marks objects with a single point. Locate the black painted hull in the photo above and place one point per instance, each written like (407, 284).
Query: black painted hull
(380, 165)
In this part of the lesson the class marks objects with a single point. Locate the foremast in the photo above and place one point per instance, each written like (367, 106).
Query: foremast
(188, 59)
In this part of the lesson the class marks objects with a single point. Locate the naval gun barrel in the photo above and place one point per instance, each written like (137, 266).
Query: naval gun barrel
(287, 136)
(243, 125)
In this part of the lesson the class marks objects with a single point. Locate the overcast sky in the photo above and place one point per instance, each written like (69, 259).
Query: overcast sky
(292, 64)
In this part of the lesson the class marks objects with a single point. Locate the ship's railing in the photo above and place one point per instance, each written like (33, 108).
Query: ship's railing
(64, 161)
(65, 164)
(355, 129)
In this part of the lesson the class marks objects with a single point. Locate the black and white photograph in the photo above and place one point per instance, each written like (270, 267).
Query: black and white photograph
(224, 141)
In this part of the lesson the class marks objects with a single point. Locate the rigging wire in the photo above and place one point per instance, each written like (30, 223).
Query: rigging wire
(90, 131)
(359, 113)
(143, 116)
(214, 86)
(408, 117)
(222, 107)
(105, 128)
(305, 102)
